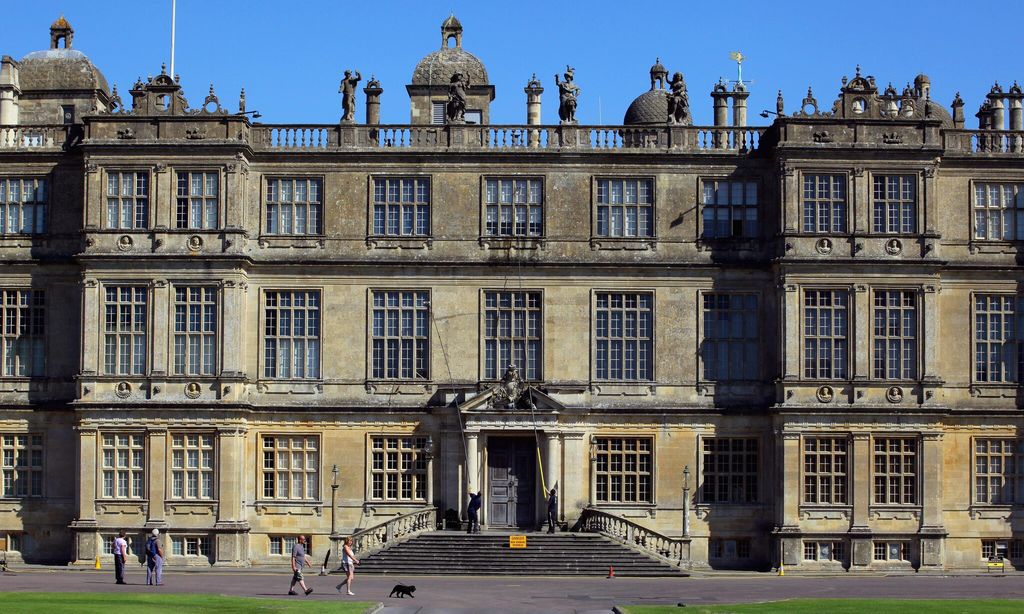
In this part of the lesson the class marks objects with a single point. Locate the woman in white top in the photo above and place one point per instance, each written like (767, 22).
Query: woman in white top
(348, 565)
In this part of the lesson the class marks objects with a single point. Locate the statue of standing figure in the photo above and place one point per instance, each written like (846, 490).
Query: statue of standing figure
(348, 95)
(456, 108)
(567, 94)
(678, 100)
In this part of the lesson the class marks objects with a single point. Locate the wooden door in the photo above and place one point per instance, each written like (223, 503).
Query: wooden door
(511, 469)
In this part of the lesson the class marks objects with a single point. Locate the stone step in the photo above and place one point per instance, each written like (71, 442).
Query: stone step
(448, 553)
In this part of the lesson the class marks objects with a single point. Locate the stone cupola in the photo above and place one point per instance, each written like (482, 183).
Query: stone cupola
(431, 79)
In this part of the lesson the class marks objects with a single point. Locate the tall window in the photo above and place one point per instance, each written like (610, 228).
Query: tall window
(124, 466)
(128, 200)
(999, 211)
(730, 347)
(730, 469)
(895, 204)
(512, 333)
(398, 470)
(514, 208)
(290, 467)
(125, 326)
(22, 205)
(625, 208)
(623, 470)
(401, 334)
(826, 325)
(895, 334)
(195, 330)
(824, 203)
(999, 471)
(291, 335)
(294, 206)
(24, 333)
(729, 209)
(825, 470)
(625, 336)
(22, 465)
(401, 207)
(895, 470)
(998, 347)
(197, 200)
(191, 466)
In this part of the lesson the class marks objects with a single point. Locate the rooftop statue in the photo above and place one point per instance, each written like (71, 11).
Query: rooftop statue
(567, 94)
(456, 109)
(678, 100)
(348, 95)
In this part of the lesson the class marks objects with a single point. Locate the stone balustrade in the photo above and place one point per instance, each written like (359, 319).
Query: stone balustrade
(675, 550)
(391, 531)
(33, 137)
(984, 141)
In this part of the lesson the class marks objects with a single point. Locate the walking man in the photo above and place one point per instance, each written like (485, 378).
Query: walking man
(298, 561)
(154, 560)
(473, 511)
(120, 557)
(552, 510)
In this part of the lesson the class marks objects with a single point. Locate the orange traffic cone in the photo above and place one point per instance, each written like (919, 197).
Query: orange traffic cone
(611, 571)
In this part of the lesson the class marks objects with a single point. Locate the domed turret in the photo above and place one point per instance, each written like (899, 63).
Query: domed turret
(431, 79)
(63, 84)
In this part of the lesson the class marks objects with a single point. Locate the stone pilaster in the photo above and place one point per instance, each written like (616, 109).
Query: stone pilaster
(232, 540)
(929, 332)
(860, 202)
(932, 530)
(91, 347)
(789, 504)
(86, 546)
(553, 468)
(157, 472)
(233, 322)
(790, 302)
(860, 492)
(161, 197)
(574, 490)
(861, 303)
(160, 297)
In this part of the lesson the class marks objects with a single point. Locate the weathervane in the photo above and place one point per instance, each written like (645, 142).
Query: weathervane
(738, 57)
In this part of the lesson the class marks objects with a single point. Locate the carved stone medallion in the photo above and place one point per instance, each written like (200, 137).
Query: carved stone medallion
(124, 243)
(894, 394)
(826, 394)
(123, 390)
(195, 243)
(824, 246)
(193, 390)
(893, 246)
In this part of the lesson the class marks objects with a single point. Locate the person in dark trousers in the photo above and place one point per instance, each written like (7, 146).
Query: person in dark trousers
(475, 501)
(552, 510)
(120, 557)
(154, 560)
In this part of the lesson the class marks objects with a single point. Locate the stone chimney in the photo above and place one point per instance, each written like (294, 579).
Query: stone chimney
(10, 92)
(373, 91)
(533, 91)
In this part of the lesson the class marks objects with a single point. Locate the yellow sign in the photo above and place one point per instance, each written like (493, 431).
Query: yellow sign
(992, 565)
(516, 541)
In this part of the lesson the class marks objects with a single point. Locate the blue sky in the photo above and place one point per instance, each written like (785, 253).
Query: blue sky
(290, 55)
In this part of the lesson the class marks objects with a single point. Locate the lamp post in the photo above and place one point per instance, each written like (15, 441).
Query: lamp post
(686, 501)
(334, 499)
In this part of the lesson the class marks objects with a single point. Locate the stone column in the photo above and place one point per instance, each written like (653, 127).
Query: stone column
(235, 199)
(721, 102)
(929, 332)
(739, 106)
(789, 510)
(575, 487)
(932, 529)
(161, 198)
(930, 202)
(553, 470)
(860, 491)
(157, 470)
(533, 91)
(472, 463)
(160, 296)
(232, 544)
(86, 547)
(791, 218)
(998, 112)
(232, 350)
(1017, 112)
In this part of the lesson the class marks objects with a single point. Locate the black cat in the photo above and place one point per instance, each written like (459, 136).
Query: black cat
(402, 590)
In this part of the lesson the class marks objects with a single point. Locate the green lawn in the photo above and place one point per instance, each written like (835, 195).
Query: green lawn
(846, 606)
(58, 603)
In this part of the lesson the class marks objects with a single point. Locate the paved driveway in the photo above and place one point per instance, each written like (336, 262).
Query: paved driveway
(498, 594)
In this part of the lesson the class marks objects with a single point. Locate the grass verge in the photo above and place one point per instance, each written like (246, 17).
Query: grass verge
(135, 603)
(845, 606)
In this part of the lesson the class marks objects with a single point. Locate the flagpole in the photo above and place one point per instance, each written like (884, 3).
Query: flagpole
(174, 11)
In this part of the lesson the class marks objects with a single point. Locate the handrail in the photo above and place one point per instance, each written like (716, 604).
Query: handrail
(401, 527)
(673, 550)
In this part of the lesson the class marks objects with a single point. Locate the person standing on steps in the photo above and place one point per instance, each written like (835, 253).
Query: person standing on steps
(348, 565)
(552, 510)
(120, 557)
(154, 560)
(473, 511)
(298, 561)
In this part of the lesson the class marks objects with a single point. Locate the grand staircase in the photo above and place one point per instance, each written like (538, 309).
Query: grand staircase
(561, 554)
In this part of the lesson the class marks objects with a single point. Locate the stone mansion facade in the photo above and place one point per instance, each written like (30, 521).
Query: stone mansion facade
(798, 343)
